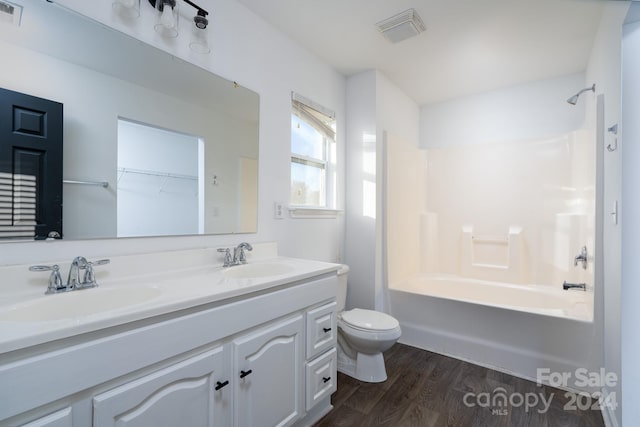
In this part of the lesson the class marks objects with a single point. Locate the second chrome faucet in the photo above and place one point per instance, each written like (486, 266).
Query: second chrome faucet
(239, 257)
(75, 280)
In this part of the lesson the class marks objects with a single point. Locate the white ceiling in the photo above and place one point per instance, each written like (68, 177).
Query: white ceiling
(470, 46)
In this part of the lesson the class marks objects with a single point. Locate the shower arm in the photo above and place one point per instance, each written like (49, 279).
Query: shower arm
(574, 99)
(586, 89)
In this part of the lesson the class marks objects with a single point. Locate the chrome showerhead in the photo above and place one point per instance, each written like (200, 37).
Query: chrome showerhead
(574, 99)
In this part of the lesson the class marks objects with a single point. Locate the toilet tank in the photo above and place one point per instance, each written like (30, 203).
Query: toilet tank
(343, 272)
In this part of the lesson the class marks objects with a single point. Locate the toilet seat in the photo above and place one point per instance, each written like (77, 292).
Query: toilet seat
(369, 320)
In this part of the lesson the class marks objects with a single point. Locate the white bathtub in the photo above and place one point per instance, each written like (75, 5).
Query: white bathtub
(511, 328)
(539, 299)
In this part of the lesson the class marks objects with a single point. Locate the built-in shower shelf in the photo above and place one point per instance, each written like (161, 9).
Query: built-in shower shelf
(487, 256)
(503, 240)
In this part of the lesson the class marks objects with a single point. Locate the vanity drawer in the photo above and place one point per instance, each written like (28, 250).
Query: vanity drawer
(321, 377)
(322, 329)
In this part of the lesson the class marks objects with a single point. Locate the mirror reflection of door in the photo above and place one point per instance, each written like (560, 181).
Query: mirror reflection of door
(158, 181)
(31, 141)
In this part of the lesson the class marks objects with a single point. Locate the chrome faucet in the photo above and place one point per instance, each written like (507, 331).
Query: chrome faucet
(239, 257)
(566, 286)
(582, 258)
(74, 282)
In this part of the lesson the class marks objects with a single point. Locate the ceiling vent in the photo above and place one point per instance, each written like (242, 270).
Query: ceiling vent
(401, 26)
(10, 13)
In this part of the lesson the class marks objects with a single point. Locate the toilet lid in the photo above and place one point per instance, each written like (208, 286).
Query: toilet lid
(369, 319)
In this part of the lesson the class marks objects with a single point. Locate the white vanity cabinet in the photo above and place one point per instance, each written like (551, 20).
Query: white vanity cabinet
(256, 360)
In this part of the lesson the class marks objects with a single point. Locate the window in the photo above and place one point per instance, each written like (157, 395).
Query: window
(312, 147)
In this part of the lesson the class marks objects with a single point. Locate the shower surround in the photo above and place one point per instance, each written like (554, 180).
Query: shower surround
(479, 240)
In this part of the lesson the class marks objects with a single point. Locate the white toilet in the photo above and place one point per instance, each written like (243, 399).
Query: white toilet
(362, 337)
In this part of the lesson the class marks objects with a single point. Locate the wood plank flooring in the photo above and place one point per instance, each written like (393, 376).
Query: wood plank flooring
(428, 390)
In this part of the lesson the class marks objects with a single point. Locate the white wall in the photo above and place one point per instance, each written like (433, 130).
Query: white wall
(630, 291)
(604, 69)
(532, 110)
(360, 233)
(375, 108)
(247, 50)
(398, 115)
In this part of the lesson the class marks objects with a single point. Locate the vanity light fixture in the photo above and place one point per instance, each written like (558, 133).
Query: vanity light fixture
(168, 18)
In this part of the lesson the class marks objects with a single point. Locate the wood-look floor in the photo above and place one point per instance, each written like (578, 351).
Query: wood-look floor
(427, 389)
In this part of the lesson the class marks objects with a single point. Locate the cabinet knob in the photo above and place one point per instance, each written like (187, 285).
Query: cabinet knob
(245, 373)
(326, 379)
(219, 385)
(326, 330)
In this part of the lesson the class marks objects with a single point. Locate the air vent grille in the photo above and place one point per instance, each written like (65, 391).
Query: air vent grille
(10, 13)
(401, 26)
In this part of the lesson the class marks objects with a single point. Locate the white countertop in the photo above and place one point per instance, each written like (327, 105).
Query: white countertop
(167, 288)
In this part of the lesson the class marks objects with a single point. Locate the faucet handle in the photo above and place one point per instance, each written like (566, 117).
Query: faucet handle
(227, 256)
(89, 280)
(55, 280)
(242, 257)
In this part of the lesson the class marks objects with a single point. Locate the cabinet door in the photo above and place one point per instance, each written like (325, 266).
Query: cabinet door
(183, 394)
(61, 418)
(269, 370)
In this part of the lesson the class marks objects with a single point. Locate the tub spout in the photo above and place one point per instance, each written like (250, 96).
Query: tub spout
(566, 286)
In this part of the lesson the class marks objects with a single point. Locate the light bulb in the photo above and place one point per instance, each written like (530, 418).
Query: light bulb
(167, 17)
(127, 8)
(167, 24)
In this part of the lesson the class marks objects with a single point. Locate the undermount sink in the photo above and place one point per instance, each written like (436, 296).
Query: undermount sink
(77, 303)
(252, 271)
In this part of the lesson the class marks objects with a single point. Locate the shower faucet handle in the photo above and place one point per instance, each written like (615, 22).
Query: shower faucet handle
(581, 258)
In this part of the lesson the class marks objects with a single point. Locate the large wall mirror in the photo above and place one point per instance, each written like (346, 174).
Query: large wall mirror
(152, 145)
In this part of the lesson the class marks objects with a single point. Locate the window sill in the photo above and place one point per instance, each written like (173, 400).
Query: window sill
(299, 212)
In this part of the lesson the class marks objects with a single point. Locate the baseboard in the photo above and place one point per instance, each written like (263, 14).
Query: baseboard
(316, 413)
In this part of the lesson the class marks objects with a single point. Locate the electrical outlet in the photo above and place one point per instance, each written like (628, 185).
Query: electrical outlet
(278, 210)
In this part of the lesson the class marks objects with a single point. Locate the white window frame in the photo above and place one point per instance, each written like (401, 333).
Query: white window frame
(327, 164)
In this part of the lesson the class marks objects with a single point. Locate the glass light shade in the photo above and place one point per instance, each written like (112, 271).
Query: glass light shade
(127, 8)
(199, 40)
(167, 24)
